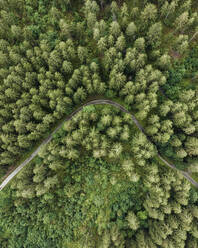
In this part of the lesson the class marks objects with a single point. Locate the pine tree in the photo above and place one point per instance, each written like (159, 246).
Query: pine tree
(181, 44)
(16, 32)
(40, 189)
(114, 8)
(192, 146)
(124, 14)
(117, 79)
(168, 8)
(116, 150)
(73, 154)
(106, 120)
(140, 44)
(80, 95)
(181, 23)
(106, 240)
(115, 29)
(154, 35)
(125, 135)
(132, 221)
(194, 211)
(112, 133)
(102, 44)
(120, 43)
(141, 239)
(50, 182)
(67, 67)
(131, 30)
(90, 6)
(148, 15)
(65, 28)
(164, 62)
(23, 141)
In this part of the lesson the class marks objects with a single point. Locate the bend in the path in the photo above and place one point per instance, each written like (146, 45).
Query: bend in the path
(98, 101)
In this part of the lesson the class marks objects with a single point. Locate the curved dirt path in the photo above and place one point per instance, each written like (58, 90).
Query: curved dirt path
(100, 101)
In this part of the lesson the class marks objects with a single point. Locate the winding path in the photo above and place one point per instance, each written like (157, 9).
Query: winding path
(99, 101)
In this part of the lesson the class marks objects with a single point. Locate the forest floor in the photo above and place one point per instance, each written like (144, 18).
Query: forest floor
(90, 101)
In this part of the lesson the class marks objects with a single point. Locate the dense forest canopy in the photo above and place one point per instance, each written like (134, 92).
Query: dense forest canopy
(99, 182)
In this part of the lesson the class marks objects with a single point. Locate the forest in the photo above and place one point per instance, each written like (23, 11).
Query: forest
(99, 182)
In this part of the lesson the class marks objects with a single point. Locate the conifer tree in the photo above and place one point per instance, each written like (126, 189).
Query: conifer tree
(131, 30)
(132, 221)
(154, 35)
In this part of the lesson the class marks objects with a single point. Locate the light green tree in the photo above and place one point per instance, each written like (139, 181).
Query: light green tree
(191, 146)
(131, 30)
(133, 221)
(115, 29)
(154, 35)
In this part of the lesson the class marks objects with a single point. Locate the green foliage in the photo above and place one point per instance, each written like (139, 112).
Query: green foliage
(98, 182)
(181, 71)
